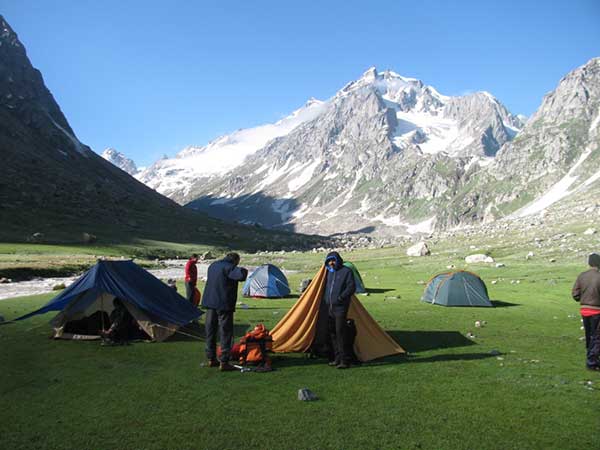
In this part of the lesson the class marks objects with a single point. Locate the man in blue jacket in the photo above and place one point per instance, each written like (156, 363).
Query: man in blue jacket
(339, 289)
(219, 299)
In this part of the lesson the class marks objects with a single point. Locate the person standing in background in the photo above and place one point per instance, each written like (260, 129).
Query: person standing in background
(587, 292)
(191, 277)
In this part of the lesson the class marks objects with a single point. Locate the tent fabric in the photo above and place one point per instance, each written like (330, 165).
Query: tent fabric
(296, 331)
(458, 288)
(360, 285)
(266, 281)
(151, 302)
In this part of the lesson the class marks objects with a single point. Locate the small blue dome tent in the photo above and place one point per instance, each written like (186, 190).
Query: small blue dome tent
(158, 309)
(266, 281)
(459, 288)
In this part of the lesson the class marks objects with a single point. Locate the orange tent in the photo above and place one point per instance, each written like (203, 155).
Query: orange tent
(296, 331)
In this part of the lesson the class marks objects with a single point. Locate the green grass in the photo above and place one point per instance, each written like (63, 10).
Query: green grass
(448, 393)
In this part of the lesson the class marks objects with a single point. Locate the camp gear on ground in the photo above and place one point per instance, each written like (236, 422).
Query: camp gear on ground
(156, 308)
(359, 284)
(220, 322)
(197, 297)
(221, 288)
(456, 288)
(297, 330)
(253, 348)
(267, 281)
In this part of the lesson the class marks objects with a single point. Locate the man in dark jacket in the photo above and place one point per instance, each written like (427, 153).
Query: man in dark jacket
(191, 277)
(339, 289)
(220, 297)
(587, 292)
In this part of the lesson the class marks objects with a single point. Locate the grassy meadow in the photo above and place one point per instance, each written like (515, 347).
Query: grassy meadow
(449, 392)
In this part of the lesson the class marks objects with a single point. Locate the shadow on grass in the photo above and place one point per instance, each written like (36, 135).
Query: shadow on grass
(266, 300)
(420, 341)
(454, 357)
(502, 304)
(378, 290)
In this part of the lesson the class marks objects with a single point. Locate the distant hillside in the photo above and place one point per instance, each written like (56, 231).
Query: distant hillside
(53, 184)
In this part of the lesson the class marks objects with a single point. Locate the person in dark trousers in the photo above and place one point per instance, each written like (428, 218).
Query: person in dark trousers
(191, 277)
(586, 291)
(220, 297)
(339, 289)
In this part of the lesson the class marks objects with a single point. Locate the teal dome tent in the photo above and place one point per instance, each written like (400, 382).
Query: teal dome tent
(458, 288)
(360, 285)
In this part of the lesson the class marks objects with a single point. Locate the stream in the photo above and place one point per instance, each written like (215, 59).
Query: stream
(172, 269)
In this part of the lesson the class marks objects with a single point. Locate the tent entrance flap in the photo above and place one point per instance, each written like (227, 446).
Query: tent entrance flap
(297, 329)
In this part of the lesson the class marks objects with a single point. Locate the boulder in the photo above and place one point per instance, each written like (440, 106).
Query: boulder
(208, 255)
(304, 284)
(590, 231)
(479, 258)
(419, 249)
(58, 287)
(306, 395)
(88, 238)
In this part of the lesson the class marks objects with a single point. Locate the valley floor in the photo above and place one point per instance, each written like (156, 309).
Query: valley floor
(450, 392)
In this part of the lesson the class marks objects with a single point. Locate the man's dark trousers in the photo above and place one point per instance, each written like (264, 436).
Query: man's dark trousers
(189, 291)
(592, 340)
(338, 336)
(221, 322)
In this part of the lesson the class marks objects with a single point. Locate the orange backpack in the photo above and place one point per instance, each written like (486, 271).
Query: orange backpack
(255, 345)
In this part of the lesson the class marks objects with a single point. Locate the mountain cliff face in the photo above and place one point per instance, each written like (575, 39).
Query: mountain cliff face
(55, 187)
(386, 152)
(555, 155)
(120, 160)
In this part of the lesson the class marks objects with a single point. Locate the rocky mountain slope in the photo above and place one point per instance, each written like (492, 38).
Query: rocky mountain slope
(386, 152)
(54, 188)
(556, 155)
(120, 160)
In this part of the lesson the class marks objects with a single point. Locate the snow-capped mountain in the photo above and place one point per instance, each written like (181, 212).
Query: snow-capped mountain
(556, 155)
(385, 151)
(176, 177)
(391, 154)
(120, 160)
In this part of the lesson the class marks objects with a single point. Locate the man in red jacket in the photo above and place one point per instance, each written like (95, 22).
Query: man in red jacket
(191, 277)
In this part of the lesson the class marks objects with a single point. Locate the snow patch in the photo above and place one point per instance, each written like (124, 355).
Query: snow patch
(304, 177)
(556, 192)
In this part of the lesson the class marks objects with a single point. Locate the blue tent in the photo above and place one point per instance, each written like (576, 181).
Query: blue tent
(459, 288)
(158, 309)
(266, 281)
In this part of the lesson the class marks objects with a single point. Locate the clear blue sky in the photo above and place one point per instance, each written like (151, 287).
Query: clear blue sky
(150, 77)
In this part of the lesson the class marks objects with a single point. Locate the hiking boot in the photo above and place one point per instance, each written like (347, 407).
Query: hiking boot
(594, 368)
(213, 363)
(333, 363)
(226, 367)
(343, 365)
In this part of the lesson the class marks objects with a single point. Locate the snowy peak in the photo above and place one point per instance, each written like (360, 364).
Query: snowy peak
(120, 160)
(175, 177)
